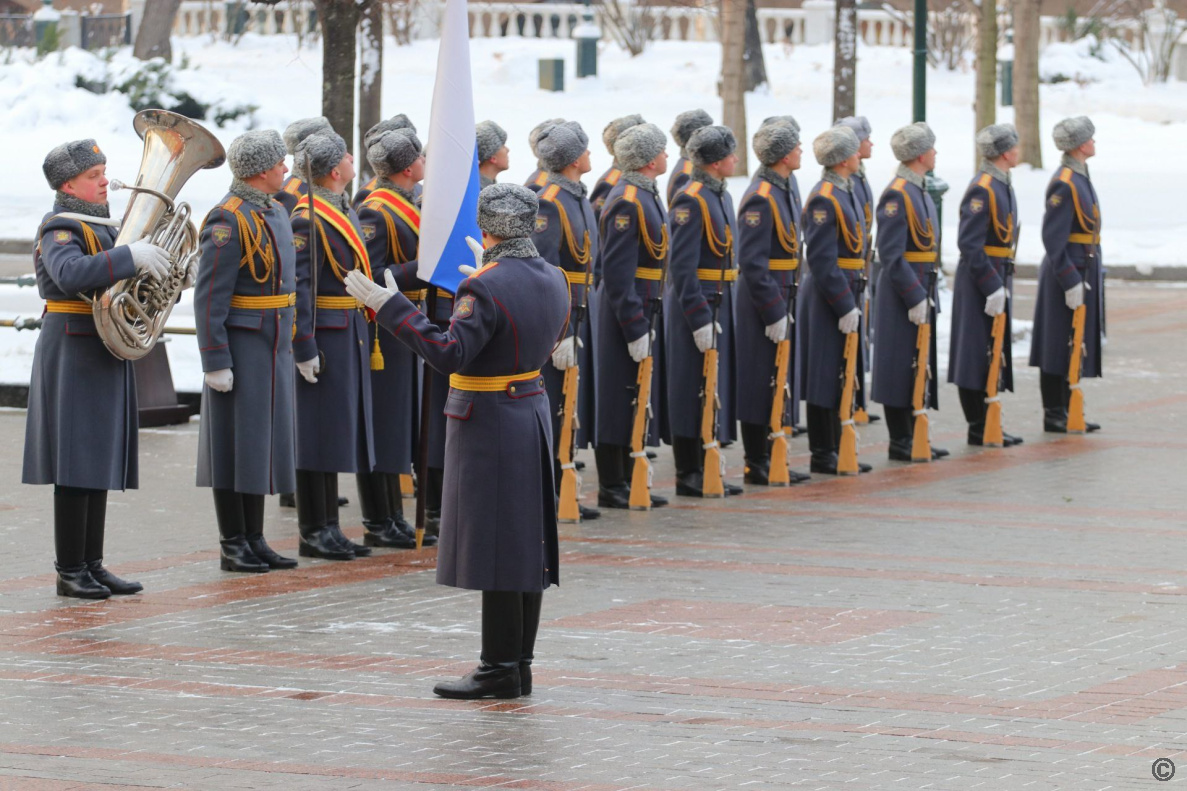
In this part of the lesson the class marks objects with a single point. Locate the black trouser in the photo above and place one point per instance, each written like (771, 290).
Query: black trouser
(973, 404)
(238, 514)
(311, 500)
(510, 621)
(1055, 391)
(756, 444)
(824, 431)
(688, 454)
(80, 520)
(900, 424)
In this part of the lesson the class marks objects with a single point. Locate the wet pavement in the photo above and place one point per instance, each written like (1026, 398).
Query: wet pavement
(1005, 618)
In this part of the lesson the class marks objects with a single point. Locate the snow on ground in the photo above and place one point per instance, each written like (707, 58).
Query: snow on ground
(1142, 223)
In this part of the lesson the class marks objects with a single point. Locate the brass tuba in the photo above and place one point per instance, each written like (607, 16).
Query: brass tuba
(130, 316)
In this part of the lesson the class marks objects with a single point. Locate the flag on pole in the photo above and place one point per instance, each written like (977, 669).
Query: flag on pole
(450, 207)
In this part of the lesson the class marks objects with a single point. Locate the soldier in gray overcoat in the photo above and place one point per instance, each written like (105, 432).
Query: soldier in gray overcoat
(538, 179)
(567, 236)
(399, 121)
(609, 180)
(244, 304)
(294, 187)
(984, 277)
(830, 292)
(764, 302)
(686, 123)
(1070, 275)
(634, 238)
(80, 429)
(701, 274)
(390, 221)
(333, 349)
(908, 246)
(498, 520)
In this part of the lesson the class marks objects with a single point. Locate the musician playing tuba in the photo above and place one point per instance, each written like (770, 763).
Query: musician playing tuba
(75, 376)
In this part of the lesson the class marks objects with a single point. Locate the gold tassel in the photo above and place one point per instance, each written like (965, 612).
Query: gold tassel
(376, 356)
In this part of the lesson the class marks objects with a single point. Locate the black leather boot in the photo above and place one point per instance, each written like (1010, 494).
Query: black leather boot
(758, 454)
(377, 516)
(613, 489)
(316, 541)
(395, 501)
(532, 603)
(900, 425)
(235, 554)
(690, 474)
(333, 526)
(497, 674)
(76, 582)
(253, 529)
(70, 527)
(820, 440)
(972, 403)
(96, 527)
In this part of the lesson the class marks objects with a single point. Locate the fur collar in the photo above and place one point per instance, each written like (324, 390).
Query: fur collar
(510, 248)
(574, 188)
(911, 177)
(249, 194)
(782, 182)
(836, 180)
(1076, 165)
(637, 179)
(714, 184)
(80, 206)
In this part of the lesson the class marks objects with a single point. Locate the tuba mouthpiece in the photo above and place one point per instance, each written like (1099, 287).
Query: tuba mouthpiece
(115, 185)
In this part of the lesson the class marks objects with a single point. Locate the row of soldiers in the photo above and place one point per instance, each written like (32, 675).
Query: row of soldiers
(657, 285)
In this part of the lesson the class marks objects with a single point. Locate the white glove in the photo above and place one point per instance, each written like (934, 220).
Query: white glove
(310, 369)
(849, 322)
(221, 380)
(703, 337)
(191, 275)
(476, 249)
(564, 356)
(918, 314)
(777, 332)
(640, 348)
(149, 259)
(367, 291)
(1074, 296)
(995, 303)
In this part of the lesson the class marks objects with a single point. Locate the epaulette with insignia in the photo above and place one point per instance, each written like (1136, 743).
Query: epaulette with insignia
(693, 188)
(551, 192)
(630, 193)
(898, 183)
(613, 176)
(233, 203)
(301, 212)
(985, 180)
(764, 189)
(542, 179)
(826, 189)
(687, 169)
(293, 187)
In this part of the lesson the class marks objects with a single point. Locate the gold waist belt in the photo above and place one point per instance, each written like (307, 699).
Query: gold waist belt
(648, 273)
(67, 306)
(784, 264)
(268, 303)
(851, 263)
(418, 295)
(488, 384)
(728, 275)
(338, 303)
(575, 278)
(999, 252)
(1083, 238)
(920, 257)
(443, 294)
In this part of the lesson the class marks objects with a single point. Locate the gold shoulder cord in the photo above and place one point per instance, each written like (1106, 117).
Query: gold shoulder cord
(924, 238)
(393, 239)
(787, 236)
(580, 255)
(253, 244)
(1090, 226)
(1005, 235)
(335, 267)
(658, 251)
(719, 247)
(853, 241)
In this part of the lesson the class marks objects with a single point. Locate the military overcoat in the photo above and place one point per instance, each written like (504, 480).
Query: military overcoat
(498, 507)
(81, 424)
(247, 437)
(681, 175)
(602, 188)
(832, 286)
(567, 236)
(634, 253)
(907, 229)
(291, 193)
(768, 263)
(1071, 238)
(334, 430)
(988, 226)
(701, 275)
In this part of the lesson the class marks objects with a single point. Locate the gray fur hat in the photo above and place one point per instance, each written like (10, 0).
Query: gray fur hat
(774, 141)
(560, 145)
(912, 141)
(534, 135)
(996, 139)
(1071, 133)
(783, 119)
(833, 146)
(68, 160)
(638, 145)
(508, 211)
(400, 121)
(491, 138)
(615, 128)
(392, 152)
(253, 152)
(860, 126)
(688, 122)
(323, 151)
(711, 144)
(297, 131)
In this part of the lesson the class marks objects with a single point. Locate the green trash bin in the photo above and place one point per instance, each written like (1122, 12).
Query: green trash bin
(552, 74)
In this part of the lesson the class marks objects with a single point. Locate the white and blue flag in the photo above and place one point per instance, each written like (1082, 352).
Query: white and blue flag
(449, 211)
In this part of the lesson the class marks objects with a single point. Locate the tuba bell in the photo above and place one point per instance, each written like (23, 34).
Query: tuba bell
(130, 315)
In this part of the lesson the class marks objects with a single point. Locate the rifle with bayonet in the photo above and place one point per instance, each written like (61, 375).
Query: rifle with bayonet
(567, 509)
(993, 436)
(713, 484)
(779, 475)
(921, 440)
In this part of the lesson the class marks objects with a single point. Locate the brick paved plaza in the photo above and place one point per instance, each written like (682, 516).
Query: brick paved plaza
(1003, 619)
